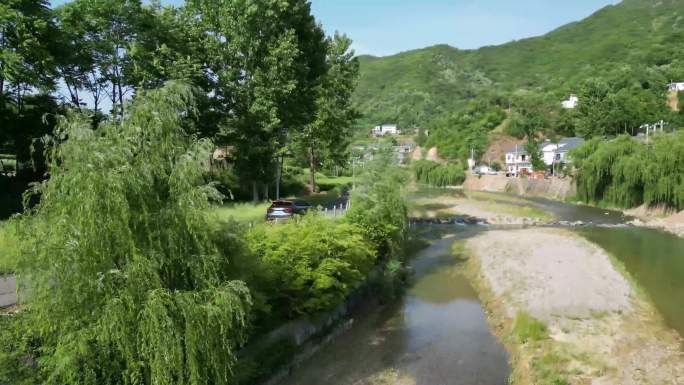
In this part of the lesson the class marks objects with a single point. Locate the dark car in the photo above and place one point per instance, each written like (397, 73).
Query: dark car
(284, 209)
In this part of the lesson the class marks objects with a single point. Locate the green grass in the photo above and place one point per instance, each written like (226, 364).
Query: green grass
(247, 212)
(517, 211)
(321, 199)
(242, 211)
(527, 329)
(459, 251)
(550, 369)
(333, 181)
(9, 248)
(495, 197)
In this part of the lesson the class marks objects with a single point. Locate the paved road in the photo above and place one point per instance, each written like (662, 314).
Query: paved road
(8, 291)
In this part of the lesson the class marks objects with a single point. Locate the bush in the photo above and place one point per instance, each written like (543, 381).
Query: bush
(435, 174)
(378, 205)
(311, 264)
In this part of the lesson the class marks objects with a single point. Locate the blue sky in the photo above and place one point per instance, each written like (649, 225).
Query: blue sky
(385, 27)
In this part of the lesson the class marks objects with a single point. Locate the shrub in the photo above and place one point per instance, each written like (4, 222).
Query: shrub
(378, 204)
(311, 264)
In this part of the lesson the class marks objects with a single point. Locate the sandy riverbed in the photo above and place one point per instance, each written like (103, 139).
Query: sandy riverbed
(601, 329)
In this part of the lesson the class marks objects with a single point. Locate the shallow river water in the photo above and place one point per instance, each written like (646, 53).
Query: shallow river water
(438, 334)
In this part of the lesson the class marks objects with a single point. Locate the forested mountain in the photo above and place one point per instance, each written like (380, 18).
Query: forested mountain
(637, 42)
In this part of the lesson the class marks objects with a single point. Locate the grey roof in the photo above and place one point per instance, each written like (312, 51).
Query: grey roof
(518, 148)
(564, 145)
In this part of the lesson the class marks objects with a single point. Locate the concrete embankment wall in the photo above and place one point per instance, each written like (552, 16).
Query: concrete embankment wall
(552, 188)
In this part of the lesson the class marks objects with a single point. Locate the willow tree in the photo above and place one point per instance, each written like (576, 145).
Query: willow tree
(124, 283)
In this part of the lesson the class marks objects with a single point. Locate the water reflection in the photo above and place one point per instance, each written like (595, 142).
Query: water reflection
(655, 259)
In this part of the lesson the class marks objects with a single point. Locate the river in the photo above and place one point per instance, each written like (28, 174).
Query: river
(438, 334)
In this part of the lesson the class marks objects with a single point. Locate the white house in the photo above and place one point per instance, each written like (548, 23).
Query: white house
(676, 87)
(385, 129)
(571, 103)
(518, 161)
(557, 153)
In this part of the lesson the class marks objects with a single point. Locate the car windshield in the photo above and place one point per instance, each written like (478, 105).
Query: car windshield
(281, 204)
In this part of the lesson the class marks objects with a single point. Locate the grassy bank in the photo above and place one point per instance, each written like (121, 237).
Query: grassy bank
(9, 248)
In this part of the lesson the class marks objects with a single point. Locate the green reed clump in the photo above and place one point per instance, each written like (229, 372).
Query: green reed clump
(435, 174)
(124, 282)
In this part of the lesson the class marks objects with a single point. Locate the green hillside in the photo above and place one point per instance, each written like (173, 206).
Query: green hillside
(638, 41)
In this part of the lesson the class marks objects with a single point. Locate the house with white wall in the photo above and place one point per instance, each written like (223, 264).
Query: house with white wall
(676, 86)
(571, 103)
(519, 161)
(555, 154)
(385, 129)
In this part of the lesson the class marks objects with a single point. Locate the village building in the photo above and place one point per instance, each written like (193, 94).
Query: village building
(385, 129)
(519, 161)
(558, 152)
(676, 86)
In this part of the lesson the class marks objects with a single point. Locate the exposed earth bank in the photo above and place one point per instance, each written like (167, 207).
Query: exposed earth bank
(595, 326)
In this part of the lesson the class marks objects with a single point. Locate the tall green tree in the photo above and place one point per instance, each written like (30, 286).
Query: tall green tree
(28, 50)
(530, 116)
(327, 137)
(27, 61)
(127, 285)
(265, 59)
(100, 37)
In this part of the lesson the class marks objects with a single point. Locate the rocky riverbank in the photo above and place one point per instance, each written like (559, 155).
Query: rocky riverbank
(658, 218)
(567, 313)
